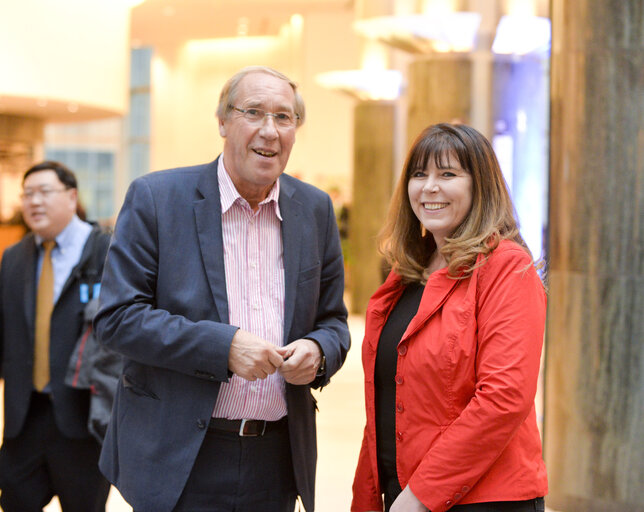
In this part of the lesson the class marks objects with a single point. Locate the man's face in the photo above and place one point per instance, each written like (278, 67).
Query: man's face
(47, 206)
(256, 153)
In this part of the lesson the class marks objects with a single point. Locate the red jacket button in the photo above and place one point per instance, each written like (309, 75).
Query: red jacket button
(448, 503)
(458, 496)
(399, 436)
(400, 407)
(465, 489)
(402, 350)
(399, 379)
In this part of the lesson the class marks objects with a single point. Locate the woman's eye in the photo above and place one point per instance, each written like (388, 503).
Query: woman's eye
(449, 174)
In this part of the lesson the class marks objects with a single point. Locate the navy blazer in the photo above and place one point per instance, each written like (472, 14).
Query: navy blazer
(164, 307)
(18, 284)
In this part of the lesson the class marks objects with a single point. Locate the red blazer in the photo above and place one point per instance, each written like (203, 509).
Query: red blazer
(466, 429)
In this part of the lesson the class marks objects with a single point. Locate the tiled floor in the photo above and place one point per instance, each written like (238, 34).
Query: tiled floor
(340, 424)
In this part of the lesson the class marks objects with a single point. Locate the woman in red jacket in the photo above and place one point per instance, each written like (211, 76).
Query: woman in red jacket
(452, 342)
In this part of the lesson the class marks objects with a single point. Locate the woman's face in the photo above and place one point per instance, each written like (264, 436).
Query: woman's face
(440, 198)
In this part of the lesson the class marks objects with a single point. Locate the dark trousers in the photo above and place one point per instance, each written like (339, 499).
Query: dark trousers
(535, 505)
(241, 474)
(41, 463)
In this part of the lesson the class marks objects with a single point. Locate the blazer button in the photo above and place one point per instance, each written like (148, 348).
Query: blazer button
(400, 407)
(465, 489)
(399, 379)
(402, 350)
(448, 503)
(201, 424)
(458, 496)
(399, 436)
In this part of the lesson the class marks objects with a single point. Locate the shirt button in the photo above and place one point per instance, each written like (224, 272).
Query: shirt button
(402, 350)
(256, 306)
(201, 424)
(399, 379)
(400, 407)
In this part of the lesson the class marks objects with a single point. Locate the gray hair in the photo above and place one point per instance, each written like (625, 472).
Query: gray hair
(229, 91)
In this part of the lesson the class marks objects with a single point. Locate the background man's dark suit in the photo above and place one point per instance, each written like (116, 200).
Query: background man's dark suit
(164, 306)
(17, 311)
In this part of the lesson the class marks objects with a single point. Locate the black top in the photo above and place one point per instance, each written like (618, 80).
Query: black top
(385, 385)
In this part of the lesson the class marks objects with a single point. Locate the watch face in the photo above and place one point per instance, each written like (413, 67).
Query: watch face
(322, 367)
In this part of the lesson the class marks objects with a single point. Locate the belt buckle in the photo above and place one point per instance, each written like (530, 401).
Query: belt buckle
(242, 427)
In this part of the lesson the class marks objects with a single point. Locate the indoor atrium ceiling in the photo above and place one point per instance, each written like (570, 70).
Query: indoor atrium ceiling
(173, 21)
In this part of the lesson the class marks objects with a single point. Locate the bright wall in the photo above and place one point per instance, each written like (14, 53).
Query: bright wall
(186, 82)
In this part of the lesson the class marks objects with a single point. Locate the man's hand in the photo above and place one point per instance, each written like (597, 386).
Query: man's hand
(407, 502)
(252, 357)
(302, 359)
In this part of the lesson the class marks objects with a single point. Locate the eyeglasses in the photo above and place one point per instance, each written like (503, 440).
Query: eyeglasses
(30, 194)
(257, 116)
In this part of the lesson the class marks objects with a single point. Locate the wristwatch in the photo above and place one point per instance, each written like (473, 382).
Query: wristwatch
(322, 368)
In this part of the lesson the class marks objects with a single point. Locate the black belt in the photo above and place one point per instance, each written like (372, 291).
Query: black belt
(244, 428)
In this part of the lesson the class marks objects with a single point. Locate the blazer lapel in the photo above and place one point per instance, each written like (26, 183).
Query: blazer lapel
(291, 210)
(437, 290)
(208, 220)
(29, 291)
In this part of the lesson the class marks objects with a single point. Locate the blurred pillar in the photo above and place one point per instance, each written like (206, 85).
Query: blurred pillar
(21, 143)
(438, 92)
(372, 188)
(594, 416)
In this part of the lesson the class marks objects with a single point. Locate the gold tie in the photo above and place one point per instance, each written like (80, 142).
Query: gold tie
(44, 307)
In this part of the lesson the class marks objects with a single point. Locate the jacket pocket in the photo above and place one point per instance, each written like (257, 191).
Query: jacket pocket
(309, 273)
(136, 388)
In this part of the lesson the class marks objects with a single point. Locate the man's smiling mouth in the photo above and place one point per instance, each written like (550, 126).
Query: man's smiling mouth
(263, 152)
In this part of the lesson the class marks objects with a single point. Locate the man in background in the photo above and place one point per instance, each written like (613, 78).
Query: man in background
(46, 280)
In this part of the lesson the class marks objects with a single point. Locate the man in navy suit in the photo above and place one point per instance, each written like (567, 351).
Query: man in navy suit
(223, 290)
(47, 448)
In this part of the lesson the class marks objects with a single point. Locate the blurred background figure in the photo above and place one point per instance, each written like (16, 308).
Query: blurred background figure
(46, 281)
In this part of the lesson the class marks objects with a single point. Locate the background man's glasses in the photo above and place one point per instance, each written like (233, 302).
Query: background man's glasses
(30, 194)
(257, 116)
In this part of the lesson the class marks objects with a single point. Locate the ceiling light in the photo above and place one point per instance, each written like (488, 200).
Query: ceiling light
(364, 84)
(424, 33)
(521, 34)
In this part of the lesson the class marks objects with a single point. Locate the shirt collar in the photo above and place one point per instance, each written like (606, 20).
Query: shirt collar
(66, 236)
(229, 194)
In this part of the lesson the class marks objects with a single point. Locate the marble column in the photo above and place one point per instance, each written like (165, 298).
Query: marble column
(594, 411)
(438, 92)
(21, 143)
(373, 176)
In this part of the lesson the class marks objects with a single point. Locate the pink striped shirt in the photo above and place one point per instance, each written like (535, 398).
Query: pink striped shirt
(254, 263)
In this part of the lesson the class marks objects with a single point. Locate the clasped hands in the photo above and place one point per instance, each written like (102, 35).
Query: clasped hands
(252, 358)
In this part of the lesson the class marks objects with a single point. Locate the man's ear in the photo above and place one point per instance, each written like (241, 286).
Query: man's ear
(222, 128)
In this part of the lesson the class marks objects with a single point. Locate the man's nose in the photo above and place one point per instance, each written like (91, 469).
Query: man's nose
(268, 127)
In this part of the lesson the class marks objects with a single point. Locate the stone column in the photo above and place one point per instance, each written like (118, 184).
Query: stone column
(594, 413)
(373, 176)
(21, 144)
(439, 92)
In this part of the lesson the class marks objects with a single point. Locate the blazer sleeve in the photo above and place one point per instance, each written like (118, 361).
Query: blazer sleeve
(331, 330)
(510, 324)
(1, 322)
(129, 321)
